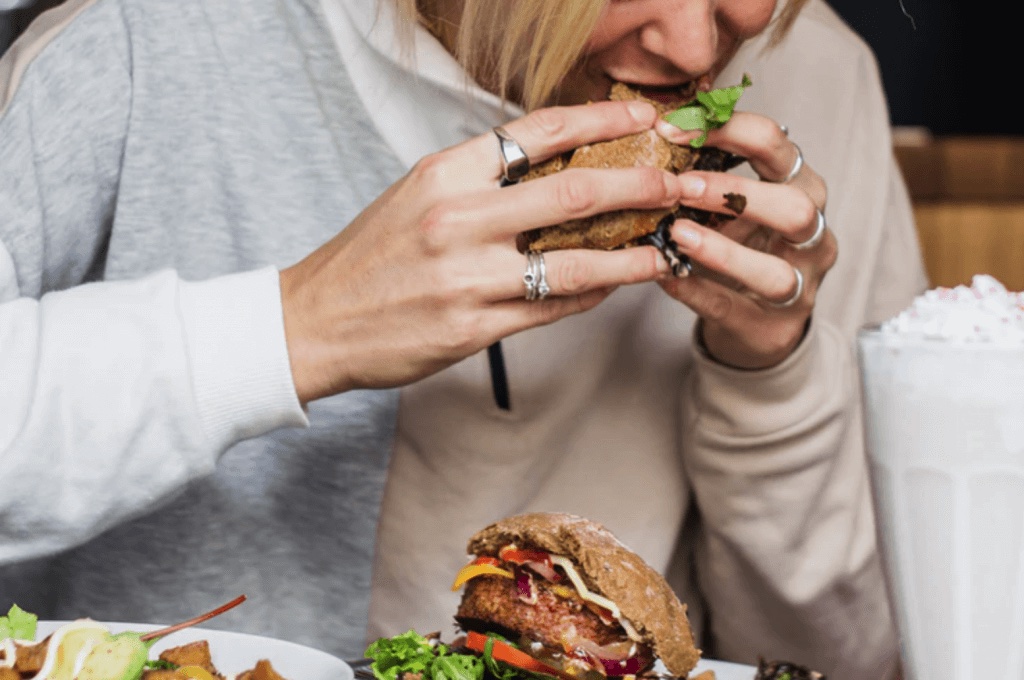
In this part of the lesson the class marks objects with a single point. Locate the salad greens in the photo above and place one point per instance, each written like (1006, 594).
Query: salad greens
(412, 653)
(18, 624)
(497, 670)
(712, 110)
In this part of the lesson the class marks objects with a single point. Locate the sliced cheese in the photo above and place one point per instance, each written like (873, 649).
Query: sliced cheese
(570, 570)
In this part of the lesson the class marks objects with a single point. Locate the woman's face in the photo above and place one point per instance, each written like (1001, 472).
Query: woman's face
(662, 46)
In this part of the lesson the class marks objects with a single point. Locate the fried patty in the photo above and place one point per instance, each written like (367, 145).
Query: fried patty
(492, 603)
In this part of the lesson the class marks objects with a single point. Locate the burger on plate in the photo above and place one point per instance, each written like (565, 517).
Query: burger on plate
(568, 599)
(553, 595)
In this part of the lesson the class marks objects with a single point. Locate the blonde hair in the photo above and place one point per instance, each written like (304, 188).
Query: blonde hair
(523, 49)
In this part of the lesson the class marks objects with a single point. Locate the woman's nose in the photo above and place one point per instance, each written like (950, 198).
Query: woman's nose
(683, 33)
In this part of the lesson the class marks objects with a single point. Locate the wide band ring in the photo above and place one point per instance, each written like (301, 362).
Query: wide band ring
(514, 161)
(535, 278)
(798, 165)
(816, 237)
(797, 294)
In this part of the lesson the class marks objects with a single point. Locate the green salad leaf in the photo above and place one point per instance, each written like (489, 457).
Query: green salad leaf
(412, 653)
(457, 667)
(712, 110)
(18, 624)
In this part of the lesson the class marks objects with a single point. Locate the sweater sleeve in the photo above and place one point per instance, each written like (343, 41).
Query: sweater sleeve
(113, 395)
(786, 560)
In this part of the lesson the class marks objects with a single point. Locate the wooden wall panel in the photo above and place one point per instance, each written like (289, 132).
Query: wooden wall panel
(968, 194)
(960, 239)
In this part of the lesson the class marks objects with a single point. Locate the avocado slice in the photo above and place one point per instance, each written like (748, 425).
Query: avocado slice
(121, 657)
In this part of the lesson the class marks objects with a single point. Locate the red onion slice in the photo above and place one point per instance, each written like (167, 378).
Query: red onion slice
(524, 584)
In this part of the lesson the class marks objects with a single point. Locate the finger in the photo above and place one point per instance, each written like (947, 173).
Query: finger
(498, 272)
(785, 209)
(767, 276)
(708, 299)
(769, 151)
(548, 132)
(727, 317)
(568, 195)
(567, 272)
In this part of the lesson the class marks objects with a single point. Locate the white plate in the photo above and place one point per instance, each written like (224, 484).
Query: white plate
(724, 670)
(236, 652)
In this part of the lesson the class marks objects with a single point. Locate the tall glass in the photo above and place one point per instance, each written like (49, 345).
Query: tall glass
(945, 435)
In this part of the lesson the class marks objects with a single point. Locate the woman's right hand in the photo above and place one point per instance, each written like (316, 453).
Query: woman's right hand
(429, 274)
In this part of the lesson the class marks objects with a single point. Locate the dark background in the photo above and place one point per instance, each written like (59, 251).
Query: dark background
(939, 70)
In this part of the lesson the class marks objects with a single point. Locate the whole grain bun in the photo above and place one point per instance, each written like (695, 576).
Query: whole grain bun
(608, 568)
(623, 228)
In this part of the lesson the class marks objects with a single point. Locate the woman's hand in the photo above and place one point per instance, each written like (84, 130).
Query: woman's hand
(429, 274)
(757, 274)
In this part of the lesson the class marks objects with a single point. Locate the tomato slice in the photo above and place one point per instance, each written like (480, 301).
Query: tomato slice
(485, 559)
(523, 556)
(506, 653)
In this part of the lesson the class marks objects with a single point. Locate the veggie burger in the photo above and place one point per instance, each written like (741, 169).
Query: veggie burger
(550, 594)
(695, 110)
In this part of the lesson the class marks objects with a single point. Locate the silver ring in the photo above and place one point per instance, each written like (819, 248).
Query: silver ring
(784, 129)
(797, 294)
(815, 239)
(514, 162)
(535, 278)
(798, 164)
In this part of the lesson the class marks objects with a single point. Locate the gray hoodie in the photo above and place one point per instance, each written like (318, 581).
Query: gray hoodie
(171, 155)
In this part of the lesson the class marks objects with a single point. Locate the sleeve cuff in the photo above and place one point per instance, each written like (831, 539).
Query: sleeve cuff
(742, 403)
(241, 374)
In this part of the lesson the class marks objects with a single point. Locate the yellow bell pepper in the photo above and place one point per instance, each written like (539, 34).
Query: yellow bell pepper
(473, 569)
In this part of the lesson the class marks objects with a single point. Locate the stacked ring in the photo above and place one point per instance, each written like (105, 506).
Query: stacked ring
(535, 278)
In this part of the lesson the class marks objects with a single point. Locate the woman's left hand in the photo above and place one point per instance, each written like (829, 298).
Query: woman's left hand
(756, 276)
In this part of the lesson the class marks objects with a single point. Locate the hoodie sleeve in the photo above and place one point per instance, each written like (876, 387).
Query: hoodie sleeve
(112, 394)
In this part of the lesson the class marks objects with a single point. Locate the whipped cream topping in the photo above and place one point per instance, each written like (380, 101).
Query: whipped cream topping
(982, 312)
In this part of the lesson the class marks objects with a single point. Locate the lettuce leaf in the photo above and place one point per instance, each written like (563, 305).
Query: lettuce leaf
(410, 652)
(712, 110)
(18, 624)
(457, 667)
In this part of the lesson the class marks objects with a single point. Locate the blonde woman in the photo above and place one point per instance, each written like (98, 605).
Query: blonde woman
(227, 228)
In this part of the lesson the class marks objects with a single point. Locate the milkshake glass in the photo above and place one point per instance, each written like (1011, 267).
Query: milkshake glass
(943, 392)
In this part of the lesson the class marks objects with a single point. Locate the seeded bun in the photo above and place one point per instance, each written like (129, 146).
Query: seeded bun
(608, 568)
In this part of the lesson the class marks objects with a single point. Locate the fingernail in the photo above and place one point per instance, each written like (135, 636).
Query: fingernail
(687, 237)
(674, 134)
(692, 186)
(642, 112)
